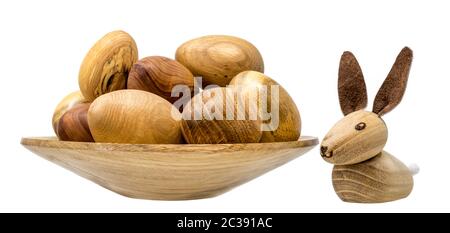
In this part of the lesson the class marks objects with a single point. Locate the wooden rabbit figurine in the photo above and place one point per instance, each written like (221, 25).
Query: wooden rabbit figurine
(363, 172)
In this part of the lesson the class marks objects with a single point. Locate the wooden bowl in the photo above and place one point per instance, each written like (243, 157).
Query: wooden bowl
(170, 171)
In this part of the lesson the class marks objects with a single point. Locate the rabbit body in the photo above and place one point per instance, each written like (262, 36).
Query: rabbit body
(380, 179)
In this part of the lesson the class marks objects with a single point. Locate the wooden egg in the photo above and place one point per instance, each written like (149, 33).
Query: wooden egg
(380, 179)
(159, 75)
(66, 104)
(105, 67)
(289, 121)
(134, 116)
(73, 125)
(203, 126)
(219, 58)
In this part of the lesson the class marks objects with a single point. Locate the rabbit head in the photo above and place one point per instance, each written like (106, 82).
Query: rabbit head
(361, 134)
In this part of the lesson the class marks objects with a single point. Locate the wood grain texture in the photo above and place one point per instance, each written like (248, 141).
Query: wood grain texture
(169, 172)
(289, 126)
(380, 179)
(348, 142)
(134, 116)
(212, 131)
(105, 67)
(219, 58)
(159, 75)
(65, 104)
(73, 125)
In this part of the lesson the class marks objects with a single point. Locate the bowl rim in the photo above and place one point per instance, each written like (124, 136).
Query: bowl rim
(53, 142)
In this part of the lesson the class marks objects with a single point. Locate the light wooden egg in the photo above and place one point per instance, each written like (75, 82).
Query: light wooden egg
(136, 117)
(219, 58)
(73, 125)
(67, 103)
(208, 129)
(289, 121)
(105, 67)
(159, 75)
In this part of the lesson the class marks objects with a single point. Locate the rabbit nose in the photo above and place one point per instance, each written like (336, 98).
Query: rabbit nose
(324, 150)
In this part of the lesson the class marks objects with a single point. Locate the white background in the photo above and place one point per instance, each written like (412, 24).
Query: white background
(42, 44)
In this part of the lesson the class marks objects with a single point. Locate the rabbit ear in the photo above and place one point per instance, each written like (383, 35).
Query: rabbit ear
(393, 88)
(351, 85)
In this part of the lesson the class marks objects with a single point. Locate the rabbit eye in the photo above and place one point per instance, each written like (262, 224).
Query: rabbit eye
(360, 126)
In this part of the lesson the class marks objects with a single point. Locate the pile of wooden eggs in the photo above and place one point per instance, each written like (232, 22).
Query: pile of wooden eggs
(126, 100)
